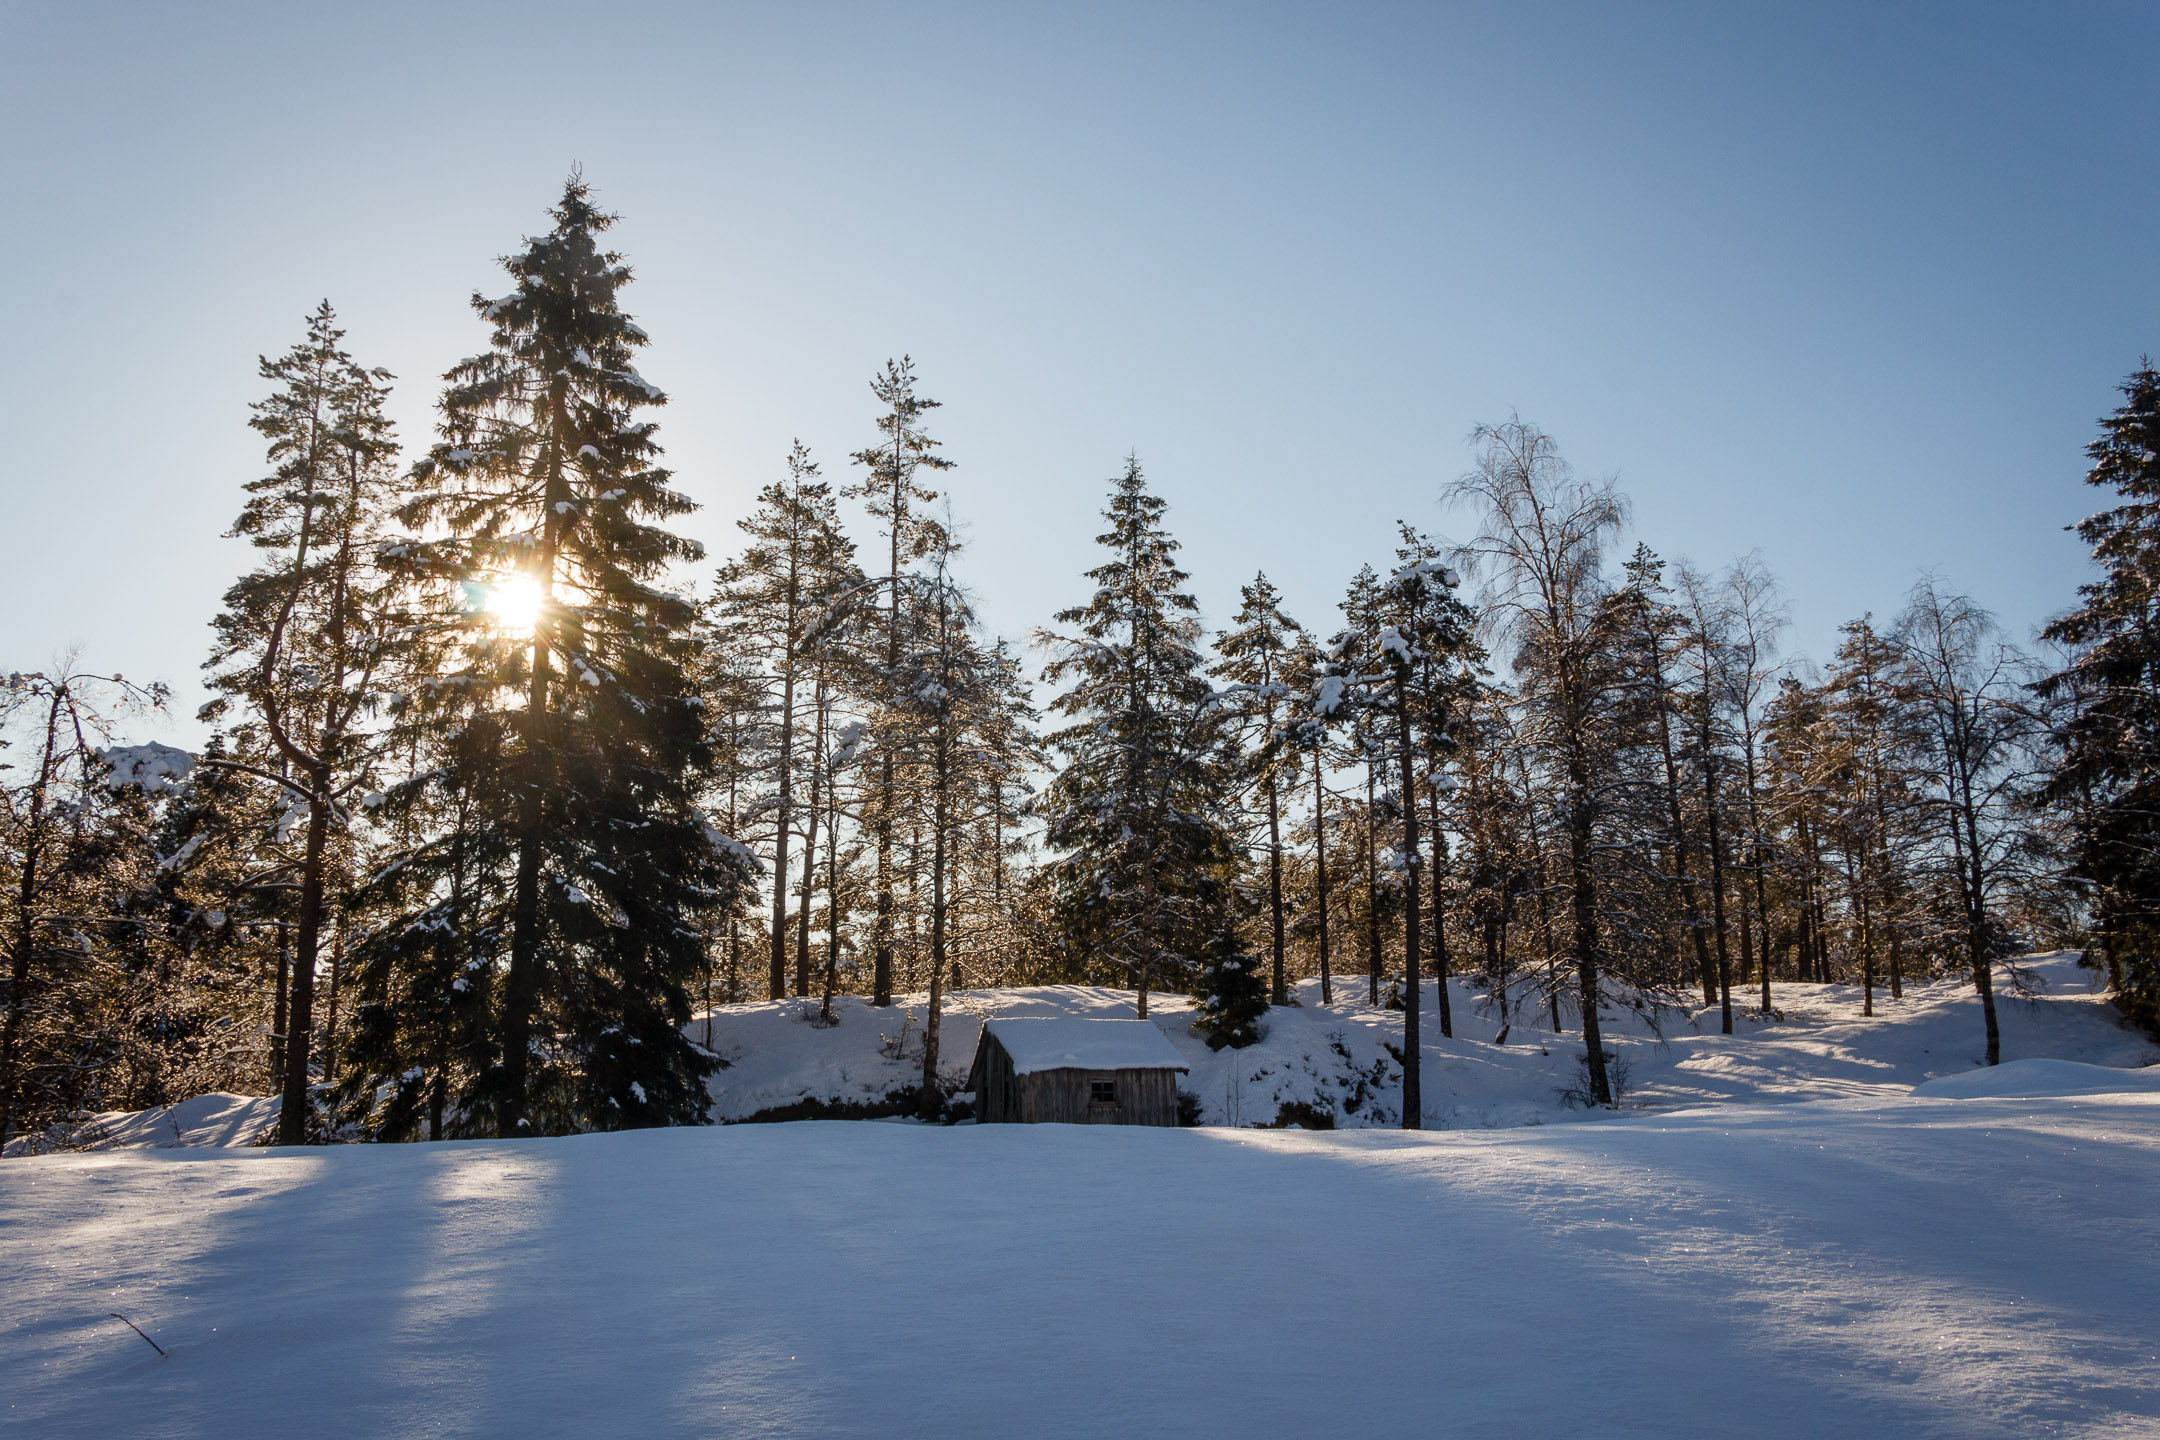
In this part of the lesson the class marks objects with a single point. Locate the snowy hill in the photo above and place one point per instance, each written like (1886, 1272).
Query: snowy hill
(1336, 1066)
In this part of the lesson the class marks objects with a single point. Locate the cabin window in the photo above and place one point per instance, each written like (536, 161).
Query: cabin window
(1102, 1092)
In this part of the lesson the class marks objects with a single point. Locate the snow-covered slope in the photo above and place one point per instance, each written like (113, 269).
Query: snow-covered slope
(1890, 1266)
(1338, 1064)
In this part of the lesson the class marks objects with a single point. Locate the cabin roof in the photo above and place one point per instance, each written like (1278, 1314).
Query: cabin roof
(1068, 1042)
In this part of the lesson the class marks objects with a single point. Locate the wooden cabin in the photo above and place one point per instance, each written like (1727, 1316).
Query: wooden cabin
(1073, 1071)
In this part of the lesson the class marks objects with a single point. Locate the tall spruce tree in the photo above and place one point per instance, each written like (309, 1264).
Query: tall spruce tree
(1145, 876)
(2107, 766)
(543, 503)
(1399, 673)
(1256, 654)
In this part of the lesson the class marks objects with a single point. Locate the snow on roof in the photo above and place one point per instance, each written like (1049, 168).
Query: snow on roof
(1068, 1042)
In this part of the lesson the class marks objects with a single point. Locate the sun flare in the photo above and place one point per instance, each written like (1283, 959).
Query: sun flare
(514, 603)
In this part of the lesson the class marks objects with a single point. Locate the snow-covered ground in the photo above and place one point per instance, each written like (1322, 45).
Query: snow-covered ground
(1337, 1064)
(1890, 1265)
(1823, 1225)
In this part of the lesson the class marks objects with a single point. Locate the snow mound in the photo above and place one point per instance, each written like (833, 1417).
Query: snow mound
(2033, 1079)
(216, 1120)
(1074, 1043)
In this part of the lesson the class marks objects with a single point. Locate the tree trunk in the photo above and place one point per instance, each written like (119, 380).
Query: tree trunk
(1982, 959)
(1439, 919)
(1717, 885)
(809, 856)
(330, 1043)
(1690, 905)
(1281, 994)
(777, 977)
(1413, 1112)
(1320, 891)
(931, 1103)
(1583, 882)
(294, 1110)
(1867, 941)
(277, 1007)
(1372, 892)
(521, 985)
(832, 904)
(882, 975)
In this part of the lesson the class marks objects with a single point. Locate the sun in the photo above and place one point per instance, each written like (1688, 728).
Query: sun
(514, 603)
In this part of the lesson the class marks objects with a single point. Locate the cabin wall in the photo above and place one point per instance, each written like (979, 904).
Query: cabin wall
(1144, 1097)
(997, 1094)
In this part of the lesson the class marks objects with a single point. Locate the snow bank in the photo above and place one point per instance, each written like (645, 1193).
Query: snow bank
(2038, 1078)
(1073, 1043)
(1853, 1267)
(216, 1120)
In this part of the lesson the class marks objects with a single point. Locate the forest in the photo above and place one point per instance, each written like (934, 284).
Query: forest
(507, 780)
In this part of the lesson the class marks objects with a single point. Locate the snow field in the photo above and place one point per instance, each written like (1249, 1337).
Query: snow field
(1882, 1266)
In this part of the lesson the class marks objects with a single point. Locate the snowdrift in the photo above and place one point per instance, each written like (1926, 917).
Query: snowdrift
(2031, 1079)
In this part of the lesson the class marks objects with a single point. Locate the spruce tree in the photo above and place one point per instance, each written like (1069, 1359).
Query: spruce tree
(1232, 997)
(1144, 878)
(543, 503)
(2107, 766)
(946, 694)
(1400, 671)
(1256, 654)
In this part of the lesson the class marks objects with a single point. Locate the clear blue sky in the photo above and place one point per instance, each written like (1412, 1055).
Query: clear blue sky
(1847, 285)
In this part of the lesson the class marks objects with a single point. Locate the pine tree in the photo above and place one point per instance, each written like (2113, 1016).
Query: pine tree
(943, 693)
(893, 495)
(304, 638)
(545, 483)
(1653, 631)
(1232, 997)
(1145, 874)
(2107, 766)
(1303, 668)
(767, 606)
(1255, 655)
(1404, 677)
